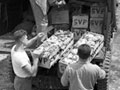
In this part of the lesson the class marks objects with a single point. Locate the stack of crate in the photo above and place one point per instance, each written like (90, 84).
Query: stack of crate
(80, 22)
(97, 12)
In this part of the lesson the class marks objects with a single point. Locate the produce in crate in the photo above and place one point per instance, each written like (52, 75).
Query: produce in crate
(95, 41)
(69, 57)
(51, 49)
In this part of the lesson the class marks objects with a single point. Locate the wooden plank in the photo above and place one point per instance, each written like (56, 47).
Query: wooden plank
(3, 56)
(6, 45)
(108, 31)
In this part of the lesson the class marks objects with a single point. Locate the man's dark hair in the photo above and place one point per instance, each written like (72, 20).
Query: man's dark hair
(19, 33)
(84, 51)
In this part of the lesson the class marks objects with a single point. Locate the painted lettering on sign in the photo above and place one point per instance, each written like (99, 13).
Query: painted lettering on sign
(97, 11)
(96, 22)
(96, 25)
(80, 22)
(77, 34)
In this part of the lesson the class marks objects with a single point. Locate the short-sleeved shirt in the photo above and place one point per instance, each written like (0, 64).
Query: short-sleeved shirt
(88, 74)
(19, 60)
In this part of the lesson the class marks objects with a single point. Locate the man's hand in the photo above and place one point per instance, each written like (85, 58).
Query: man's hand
(31, 41)
(41, 34)
(35, 57)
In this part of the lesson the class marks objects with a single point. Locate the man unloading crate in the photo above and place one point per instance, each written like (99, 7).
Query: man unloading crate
(22, 66)
(82, 75)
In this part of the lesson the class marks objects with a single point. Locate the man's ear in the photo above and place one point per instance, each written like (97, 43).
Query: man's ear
(21, 40)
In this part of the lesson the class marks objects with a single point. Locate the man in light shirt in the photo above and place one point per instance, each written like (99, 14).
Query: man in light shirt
(22, 66)
(82, 75)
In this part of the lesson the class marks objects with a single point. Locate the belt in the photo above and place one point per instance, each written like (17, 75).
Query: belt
(23, 77)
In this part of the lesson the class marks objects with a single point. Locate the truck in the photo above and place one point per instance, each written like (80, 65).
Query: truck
(108, 27)
(72, 15)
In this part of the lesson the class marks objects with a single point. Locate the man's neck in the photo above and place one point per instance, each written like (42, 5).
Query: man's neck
(19, 47)
(83, 61)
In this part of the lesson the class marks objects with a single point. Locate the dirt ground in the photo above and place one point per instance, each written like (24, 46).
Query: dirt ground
(6, 77)
(114, 83)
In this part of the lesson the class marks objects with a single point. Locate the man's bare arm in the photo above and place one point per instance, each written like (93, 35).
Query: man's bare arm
(31, 41)
(32, 70)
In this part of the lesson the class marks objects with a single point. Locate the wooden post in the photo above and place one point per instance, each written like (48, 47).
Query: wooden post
(108, 31)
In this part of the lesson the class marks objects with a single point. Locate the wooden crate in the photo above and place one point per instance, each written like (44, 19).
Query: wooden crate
(97, 10)
(78, 33)
(96, 25)
(80, 21)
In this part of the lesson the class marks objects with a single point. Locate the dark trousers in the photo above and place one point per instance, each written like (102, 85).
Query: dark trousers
(22, 83)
